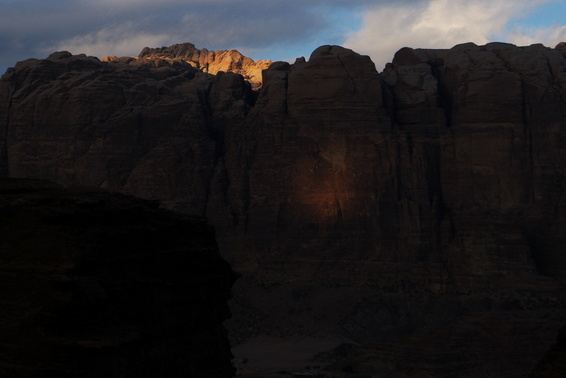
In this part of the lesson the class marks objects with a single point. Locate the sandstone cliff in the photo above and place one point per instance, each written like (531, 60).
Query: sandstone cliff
(95, 284)
(442, 175)
(443, 172)
(114, 124)
(207, 61)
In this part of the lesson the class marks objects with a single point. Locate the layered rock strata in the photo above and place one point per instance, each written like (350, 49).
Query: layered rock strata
(95, 284)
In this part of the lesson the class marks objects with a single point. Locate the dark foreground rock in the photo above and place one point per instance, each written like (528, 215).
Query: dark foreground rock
(554, 363)
(94, 284)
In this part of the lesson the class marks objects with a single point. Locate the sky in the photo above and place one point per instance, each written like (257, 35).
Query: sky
(268, 29)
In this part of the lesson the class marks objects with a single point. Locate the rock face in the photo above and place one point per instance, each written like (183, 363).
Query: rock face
(492, 118)
(442, 175)
(103, 285)
(118, 122)
(436, 173)
(211, 61)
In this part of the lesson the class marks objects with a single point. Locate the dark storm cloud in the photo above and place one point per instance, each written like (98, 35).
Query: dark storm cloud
(34, 28)
(260, 29)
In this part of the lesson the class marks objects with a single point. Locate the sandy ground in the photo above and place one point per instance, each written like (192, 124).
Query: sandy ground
(279, 329)
(268, 356)
(283, 329)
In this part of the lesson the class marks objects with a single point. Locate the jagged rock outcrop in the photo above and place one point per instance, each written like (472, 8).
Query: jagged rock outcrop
(95, 284)
(210, 61)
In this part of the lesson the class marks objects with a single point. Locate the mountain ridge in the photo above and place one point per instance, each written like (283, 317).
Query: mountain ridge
(207, 61)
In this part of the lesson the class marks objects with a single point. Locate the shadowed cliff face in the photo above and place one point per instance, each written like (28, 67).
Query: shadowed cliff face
(118, 126)
(438, 172)
(95, 284)
(443, 172)
(499, 114)
(305, 160)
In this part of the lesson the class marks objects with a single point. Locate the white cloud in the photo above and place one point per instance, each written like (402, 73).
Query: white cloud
(436, 24)
(269, 29)
(549, 36)
(259, 28)
(122, 40)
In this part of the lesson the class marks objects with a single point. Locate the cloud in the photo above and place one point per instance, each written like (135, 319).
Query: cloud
(35, 28)
(436, 24)
(550, 36)
(123, 40)
(260, 29)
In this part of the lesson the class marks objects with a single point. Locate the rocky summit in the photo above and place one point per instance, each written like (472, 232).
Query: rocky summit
(207, 61)
(434, 189)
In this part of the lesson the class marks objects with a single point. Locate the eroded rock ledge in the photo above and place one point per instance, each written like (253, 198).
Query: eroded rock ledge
(94, 284)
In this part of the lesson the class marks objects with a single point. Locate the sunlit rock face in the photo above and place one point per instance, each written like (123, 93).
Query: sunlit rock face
(95, 284)
(210, 61)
